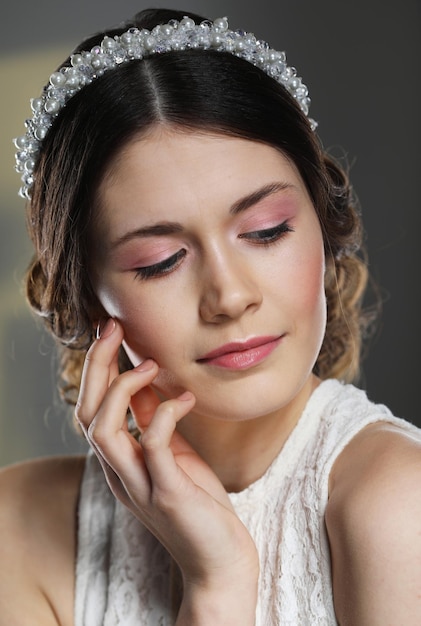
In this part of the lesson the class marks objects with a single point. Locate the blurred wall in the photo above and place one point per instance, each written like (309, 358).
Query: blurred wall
(361, 61)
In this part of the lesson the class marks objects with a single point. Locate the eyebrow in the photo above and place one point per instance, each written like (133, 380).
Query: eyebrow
(169, 228)
(251, 199)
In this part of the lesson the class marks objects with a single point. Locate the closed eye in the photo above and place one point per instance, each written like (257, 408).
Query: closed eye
(163, 267)
(268, 235)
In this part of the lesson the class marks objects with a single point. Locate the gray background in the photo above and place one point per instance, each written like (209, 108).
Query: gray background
(361, 61)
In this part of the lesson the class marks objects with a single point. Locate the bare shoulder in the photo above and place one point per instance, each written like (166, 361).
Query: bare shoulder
(38, 530)
(373, 521)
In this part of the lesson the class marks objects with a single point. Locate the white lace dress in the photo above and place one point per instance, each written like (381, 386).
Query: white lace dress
(123, 575)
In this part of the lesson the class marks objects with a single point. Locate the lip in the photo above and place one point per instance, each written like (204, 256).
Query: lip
(239, 355)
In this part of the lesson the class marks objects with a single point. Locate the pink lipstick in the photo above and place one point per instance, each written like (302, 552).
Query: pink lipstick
(241, 354)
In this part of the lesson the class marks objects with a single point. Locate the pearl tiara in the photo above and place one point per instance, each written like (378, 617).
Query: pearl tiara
(137, 44)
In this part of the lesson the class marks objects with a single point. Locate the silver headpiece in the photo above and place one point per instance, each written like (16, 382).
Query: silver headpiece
(138, 44)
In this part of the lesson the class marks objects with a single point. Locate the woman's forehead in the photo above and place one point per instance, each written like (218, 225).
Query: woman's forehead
(181, 167)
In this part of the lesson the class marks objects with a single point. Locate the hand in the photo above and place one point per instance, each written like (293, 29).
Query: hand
(161, 479)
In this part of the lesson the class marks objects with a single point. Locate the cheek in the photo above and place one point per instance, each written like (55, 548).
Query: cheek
(306, 284)
(155, 325)
(143, 319)
(313, 291)
(300, 272)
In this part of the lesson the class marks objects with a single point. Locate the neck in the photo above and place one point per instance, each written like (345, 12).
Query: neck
(240, 452)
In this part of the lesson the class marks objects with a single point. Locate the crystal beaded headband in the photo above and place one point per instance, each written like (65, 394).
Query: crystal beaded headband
(138, 44)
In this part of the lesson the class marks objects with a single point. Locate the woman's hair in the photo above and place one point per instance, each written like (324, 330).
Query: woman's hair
(192, 90)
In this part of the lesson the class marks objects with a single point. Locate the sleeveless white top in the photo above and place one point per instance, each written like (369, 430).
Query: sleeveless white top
(123, 575)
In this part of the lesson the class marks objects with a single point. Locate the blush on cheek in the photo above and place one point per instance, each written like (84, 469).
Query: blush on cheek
(313, 285)
(143, 336)
(307, 283)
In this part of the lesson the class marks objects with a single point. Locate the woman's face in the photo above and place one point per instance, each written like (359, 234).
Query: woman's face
(209, 252)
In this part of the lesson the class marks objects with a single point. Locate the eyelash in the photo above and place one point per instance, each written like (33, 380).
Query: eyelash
(161, 268)
(268, 236)
(264, 237)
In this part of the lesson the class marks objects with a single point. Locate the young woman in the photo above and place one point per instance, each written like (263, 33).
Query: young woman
(198, 252)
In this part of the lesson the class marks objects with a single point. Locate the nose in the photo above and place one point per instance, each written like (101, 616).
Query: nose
(228, 288)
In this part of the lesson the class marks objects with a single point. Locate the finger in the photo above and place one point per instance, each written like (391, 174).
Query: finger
(114, 368)
(100, 365)
(108, 429)
(156, 441)
(113, 480)
(143, 406)
(118, 451)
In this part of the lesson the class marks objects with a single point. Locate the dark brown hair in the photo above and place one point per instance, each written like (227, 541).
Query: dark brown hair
(191, 90)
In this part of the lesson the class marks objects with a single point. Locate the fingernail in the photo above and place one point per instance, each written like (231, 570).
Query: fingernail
(105, 328)
(186, 396)
(145, 366)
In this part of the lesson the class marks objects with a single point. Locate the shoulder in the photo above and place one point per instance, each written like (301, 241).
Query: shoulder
(373, 520)
(38, 531)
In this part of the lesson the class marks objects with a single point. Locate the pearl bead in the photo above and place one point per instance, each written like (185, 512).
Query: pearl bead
(126, 38)
(96, 63)
(301, 92)
(76, 59)
(216, 39)
(72, 81)
(150, 42)
(21, 142)
(167, 30)
(37, 104)
(40, 133)
(187, 23)
(52, 105)
(108, 44)
(58, 79)
(221, 23)
(29, 165)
